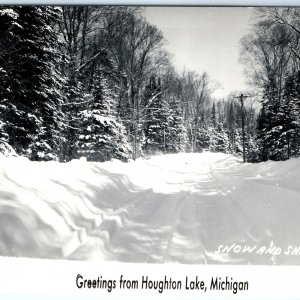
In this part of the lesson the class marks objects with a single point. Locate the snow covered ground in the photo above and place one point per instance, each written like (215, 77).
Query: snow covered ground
(186, 208)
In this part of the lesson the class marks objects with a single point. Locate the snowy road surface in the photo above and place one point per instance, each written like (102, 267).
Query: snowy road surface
(186, 208)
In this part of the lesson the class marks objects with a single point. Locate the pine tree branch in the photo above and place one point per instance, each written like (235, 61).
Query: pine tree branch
(76, 103)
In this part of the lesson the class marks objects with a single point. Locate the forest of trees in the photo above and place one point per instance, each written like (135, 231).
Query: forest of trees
(97, 82)
(271, 54)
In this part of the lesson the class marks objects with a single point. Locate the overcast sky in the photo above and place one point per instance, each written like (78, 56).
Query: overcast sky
(205, 39)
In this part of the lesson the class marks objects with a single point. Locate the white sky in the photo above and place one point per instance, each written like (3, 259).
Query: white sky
(205, 39)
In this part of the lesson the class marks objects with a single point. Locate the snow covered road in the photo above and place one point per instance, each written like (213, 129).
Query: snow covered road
(186, 208)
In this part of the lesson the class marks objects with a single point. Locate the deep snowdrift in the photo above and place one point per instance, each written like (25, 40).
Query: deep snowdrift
(175, 208)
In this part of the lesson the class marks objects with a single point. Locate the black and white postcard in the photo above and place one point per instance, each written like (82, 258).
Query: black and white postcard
(166, 135)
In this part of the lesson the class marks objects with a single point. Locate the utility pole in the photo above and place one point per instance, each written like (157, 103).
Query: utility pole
(242, 97)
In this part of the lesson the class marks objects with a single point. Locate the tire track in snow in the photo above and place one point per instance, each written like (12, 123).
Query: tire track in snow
(173, 208)
(180, 211)
(186, 245)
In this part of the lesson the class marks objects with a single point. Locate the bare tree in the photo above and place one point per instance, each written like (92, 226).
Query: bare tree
(195, 93)
(267, 56)
(134, 45)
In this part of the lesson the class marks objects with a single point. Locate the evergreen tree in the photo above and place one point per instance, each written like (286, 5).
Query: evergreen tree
(219, 141)
(218, 136)
(177, 137)
(231, 127)
(30, 93)
(157, 132)
(277, 125)
(203, 138)
(151, 91)
(101, 137)
(75, 101)
(290, 110)
(213, 116)
(262, 123)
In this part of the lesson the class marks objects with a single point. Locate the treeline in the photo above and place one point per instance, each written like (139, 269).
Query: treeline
(271, 53)
(97, 82)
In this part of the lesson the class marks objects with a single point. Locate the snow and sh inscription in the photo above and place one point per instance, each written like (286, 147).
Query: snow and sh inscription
(271, 251)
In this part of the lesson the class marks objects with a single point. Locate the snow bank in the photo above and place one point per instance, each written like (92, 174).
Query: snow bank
(186, 208)
(6, 149)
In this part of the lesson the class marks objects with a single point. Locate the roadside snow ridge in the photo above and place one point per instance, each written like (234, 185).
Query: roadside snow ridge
(181, 208)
